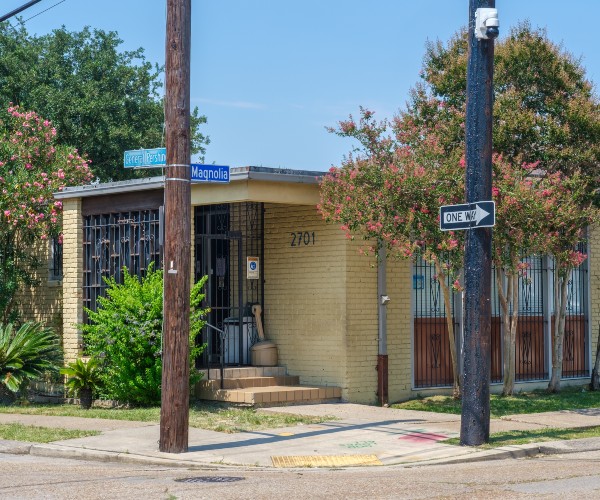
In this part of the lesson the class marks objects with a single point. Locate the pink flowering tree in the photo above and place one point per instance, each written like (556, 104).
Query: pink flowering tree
(521, 194)
(32, 167)
(389, 190)
(569, 211)
(537, 213)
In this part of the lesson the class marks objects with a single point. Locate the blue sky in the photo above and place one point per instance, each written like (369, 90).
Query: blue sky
(271, 75)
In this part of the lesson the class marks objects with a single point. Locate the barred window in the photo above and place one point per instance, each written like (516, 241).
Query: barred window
(115, 241)
(56, 260)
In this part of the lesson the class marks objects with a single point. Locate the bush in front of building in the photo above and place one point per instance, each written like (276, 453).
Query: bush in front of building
(125, 333)
(26, 354)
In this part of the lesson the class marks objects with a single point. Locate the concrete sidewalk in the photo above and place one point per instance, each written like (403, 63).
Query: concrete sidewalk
(363, 435)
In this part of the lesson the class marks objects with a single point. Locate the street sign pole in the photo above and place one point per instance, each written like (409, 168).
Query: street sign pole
(475, 417)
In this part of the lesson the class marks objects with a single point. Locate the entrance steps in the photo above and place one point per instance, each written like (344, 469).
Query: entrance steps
(261, 386)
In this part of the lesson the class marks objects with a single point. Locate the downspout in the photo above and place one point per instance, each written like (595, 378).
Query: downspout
(382, 355)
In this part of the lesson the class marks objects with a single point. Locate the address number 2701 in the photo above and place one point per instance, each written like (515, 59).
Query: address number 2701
(302, 238)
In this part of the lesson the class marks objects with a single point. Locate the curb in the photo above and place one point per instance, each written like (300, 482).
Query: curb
(519, 451)
(508, 452)
(15, 447)
(54, 451)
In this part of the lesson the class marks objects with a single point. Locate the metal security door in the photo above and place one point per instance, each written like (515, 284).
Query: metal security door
(224, 238)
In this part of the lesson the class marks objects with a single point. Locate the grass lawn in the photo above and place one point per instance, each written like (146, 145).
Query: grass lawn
(523, 437)
(220, 417)
(33, 434)
(571, 398)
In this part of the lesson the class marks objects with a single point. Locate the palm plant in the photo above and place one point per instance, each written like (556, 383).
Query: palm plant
(83, 379)
(27, 354)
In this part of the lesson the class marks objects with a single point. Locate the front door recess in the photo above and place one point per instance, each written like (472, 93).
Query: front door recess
(228, 237)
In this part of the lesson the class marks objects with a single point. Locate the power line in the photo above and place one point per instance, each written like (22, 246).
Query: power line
(45, 10)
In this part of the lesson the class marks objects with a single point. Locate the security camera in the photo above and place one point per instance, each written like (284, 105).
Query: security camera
(486, 23)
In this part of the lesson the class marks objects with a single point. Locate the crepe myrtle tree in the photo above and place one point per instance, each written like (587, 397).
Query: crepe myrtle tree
(569, 212)
(521, 193)
(32, 167)
(389, 190)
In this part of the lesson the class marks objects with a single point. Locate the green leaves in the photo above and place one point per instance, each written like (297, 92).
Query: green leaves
(101, 100)
(82, 374)
(27, 353)
(125, 333)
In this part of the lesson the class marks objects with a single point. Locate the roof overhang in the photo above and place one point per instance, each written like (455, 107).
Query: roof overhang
(258, 184)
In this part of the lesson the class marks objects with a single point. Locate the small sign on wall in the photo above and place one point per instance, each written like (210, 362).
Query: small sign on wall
(252, 268)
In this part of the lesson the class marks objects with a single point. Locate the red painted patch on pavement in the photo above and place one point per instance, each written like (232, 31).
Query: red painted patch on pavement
(419, 437)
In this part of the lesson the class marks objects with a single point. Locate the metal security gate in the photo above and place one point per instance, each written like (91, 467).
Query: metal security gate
(431, 355)
(576, 342)
(432, 363)
(227, 238)
(531, 345)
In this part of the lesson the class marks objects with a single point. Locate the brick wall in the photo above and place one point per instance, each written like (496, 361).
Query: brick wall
(399, 327)
(42, 302)
(321, 306)
(305, 294)
(72, 287)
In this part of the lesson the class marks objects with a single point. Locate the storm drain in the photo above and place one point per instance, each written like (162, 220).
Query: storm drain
(210, 479)
(325, 461)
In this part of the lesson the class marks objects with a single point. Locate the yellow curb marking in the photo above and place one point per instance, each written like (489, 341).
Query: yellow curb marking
(325, 460)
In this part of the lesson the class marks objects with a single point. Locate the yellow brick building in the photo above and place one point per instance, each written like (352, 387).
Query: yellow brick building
(319, 294)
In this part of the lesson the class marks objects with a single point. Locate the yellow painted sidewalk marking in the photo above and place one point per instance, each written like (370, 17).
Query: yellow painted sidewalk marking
(325, 460)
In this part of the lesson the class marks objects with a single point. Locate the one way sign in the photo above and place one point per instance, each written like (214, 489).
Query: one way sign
(468, 215)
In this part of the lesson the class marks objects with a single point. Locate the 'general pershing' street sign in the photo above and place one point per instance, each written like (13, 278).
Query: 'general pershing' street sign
(145, 158)
(468, 215)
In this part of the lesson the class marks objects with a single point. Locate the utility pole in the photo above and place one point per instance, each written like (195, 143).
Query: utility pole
(174, 414)
(475, 418)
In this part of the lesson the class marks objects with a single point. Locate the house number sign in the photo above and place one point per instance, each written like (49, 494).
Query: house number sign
(302, 238)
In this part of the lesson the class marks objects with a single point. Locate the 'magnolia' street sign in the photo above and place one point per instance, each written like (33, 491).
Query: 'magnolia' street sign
(209, 173)
(468, 215)
(145, 158)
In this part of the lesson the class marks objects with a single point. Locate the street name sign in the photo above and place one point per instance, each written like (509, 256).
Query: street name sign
(145, 158)
(468, 216)
(209, 173)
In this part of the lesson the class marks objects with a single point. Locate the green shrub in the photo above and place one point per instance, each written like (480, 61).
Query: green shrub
(27, 354)
(82, 375)
(125, 333)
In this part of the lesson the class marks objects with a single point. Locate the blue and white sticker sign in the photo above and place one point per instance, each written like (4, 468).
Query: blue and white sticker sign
(209, 173)
(468, 216)
(252, 268)
(145, 158)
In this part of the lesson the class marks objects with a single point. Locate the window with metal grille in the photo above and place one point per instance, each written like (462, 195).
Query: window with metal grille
(55, 260)
(114, 241)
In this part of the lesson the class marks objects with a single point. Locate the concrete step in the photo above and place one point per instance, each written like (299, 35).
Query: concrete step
(247, 382)
(244, 372)
(274, 394)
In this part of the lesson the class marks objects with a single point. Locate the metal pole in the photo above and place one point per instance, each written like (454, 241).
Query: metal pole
(475, 419)
(382, 354)
(174, 415)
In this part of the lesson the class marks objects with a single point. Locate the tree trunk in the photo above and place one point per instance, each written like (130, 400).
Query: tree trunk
(509, 305)
(595, 383)
(450, 323)
(558, 335)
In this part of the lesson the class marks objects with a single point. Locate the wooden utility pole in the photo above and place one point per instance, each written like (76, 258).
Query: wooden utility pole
(174, 415)
(475, 418)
